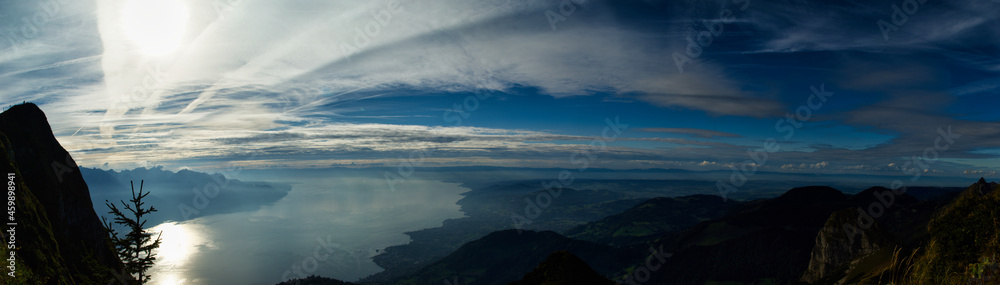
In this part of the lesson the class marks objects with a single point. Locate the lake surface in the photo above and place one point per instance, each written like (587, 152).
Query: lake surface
(325, 226)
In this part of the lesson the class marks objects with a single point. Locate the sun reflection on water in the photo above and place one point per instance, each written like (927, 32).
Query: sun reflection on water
(180, 242)
(258, 247)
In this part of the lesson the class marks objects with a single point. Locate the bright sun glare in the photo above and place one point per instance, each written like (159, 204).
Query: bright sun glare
(180, 242)
(155, 26)
(176, 245)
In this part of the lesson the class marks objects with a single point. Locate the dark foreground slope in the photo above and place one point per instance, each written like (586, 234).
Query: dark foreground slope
(964, 241)
(759, 241)
(956, 242)
(491, 208)
(59, 238)
(315, 280)
(505, 256)
(563, 268)
(809, 235)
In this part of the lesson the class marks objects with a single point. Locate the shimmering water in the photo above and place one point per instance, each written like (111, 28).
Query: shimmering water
(329, 227)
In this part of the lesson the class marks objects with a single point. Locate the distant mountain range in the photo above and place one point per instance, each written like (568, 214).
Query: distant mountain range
(652, 219)
(185, 194)
(807, 235)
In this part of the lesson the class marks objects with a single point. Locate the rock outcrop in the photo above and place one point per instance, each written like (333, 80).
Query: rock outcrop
(59, 237)
(838, 250)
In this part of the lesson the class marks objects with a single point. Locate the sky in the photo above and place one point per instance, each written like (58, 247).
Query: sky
(855, 87)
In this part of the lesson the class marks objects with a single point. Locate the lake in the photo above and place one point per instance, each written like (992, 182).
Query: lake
(327, 226)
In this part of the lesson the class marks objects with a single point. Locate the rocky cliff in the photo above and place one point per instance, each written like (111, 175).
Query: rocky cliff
(837, 252)
(59, 237)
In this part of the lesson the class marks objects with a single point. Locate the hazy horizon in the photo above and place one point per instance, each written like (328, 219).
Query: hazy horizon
(260, 126)
(771, 86)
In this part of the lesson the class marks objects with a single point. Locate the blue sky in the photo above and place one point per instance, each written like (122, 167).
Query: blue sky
(310, 83)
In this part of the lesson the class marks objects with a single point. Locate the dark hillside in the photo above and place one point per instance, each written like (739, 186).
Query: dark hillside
(59, 235)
